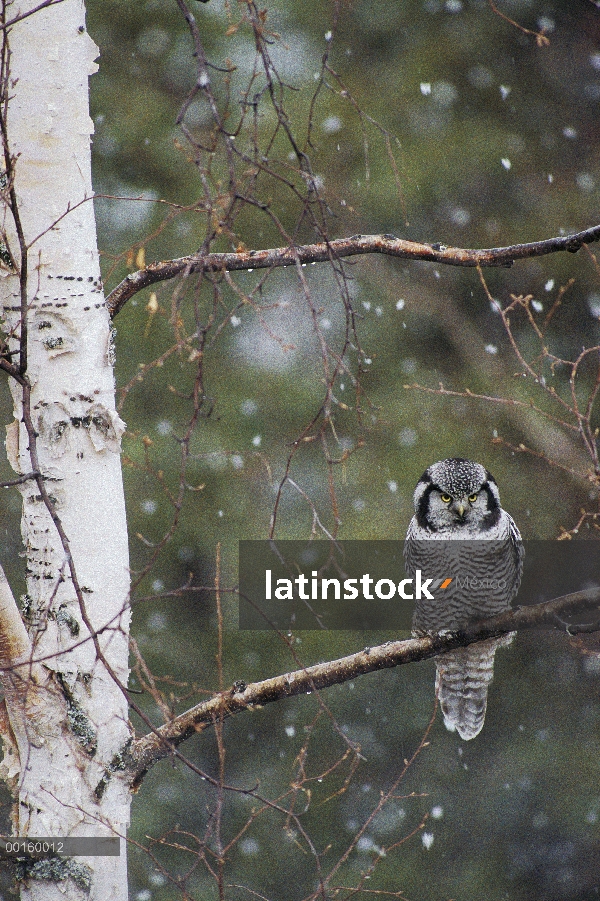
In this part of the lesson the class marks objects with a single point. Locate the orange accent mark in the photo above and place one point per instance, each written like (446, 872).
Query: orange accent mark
(445, 583)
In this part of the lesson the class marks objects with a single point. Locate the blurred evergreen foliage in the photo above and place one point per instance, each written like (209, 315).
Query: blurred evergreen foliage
(495, 142)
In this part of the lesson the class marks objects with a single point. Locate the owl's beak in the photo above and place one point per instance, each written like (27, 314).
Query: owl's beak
(461, 509)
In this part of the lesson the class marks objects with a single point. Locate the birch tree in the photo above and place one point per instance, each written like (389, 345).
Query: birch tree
(67, 712)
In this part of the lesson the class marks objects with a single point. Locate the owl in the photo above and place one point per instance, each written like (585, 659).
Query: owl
(461, 533)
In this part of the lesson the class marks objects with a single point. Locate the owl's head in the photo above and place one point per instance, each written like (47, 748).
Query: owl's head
(455, 494)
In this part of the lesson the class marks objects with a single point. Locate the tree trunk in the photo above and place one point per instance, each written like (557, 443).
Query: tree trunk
(68, 718)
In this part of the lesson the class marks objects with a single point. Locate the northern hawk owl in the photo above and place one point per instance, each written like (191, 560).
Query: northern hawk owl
(460, 532)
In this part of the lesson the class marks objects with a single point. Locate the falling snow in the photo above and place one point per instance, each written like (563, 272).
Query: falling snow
(444, 93)
(408, 437)
(249, 846)
(331, 125)
(591, 665)
(157, 622)
(546, 24)
(480, 77)
(585, 182)
(593, 302)
(460, 217)
(144, 895)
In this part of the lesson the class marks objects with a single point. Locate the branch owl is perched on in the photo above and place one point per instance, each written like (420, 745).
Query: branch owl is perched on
(460, 531)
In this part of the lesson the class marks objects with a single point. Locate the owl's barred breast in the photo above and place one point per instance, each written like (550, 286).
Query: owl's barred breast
(485, 578)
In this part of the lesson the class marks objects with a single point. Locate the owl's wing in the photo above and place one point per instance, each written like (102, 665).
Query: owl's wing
(411, 543)
(518, 551)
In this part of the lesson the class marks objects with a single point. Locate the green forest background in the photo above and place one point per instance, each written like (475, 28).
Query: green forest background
(494, 135)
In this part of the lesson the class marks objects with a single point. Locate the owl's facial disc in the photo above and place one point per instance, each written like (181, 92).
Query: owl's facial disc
(456, 493)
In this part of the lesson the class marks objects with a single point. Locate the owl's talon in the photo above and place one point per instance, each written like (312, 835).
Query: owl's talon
(421, 633)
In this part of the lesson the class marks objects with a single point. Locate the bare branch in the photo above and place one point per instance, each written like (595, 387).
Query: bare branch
(540, 38)
(26, 477)
(325, 251)
(147, 751)
(19, 18)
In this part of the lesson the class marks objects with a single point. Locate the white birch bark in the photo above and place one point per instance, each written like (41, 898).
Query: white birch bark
(67, 731)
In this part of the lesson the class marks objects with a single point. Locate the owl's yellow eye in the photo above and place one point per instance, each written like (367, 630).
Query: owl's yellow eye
(472, 498)
(446, 498)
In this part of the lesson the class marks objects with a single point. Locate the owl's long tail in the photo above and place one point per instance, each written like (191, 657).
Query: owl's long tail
(462, 681)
